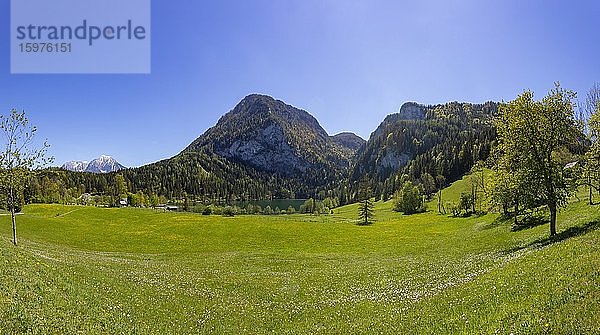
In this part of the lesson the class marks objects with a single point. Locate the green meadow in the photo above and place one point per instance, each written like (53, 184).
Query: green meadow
(107, 270)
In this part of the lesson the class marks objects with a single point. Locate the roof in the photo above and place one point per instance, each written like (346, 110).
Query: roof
(571, 165)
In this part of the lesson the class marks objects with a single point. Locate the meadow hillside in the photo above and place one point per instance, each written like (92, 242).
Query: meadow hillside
(99, 270)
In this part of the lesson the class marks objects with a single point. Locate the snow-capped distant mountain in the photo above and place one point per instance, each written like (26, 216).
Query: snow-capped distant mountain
(77, 166)
(103, 164)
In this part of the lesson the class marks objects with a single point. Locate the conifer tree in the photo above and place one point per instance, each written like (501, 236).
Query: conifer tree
(365, 206)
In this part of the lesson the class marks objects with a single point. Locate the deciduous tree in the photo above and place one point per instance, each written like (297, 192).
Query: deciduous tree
(531, 136)
(19, 156)
(591, 169)
(409, 200)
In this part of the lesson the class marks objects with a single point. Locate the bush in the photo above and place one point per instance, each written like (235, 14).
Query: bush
(207, 211)
(228, 211)
(466, 202)
(409, 200)
(312, 206)
(454, 208)
(197, 209)
(268, 210)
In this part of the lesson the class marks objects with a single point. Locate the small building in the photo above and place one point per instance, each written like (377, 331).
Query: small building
(123, 203)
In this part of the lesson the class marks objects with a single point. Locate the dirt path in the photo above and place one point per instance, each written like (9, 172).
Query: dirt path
(69, 212)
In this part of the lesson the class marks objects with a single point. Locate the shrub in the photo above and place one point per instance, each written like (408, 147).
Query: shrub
(228, 211)
(454, 208)
(268, 210)
(409, 200)
(466, 202)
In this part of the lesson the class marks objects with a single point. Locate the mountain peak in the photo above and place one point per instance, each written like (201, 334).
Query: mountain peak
(273, 136)
(411, 111)
(102, 164)
(349, 140)
(256, 102)
(257, 96)
(267, 108)
(77, 166)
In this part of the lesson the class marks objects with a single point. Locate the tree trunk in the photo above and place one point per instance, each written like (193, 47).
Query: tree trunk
(552, 208)
(516, 212)
(14, 225)
(12, 215)
(473, 197)
(591, 196)
(366, 212)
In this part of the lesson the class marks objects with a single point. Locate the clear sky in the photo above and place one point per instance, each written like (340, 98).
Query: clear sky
(349, 63)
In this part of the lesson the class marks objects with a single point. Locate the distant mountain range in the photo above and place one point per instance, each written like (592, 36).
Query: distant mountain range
(264, 148)
(76, 166)
(102, 164)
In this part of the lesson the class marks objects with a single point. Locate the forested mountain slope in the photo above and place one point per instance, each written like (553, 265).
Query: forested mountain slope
(440, 141)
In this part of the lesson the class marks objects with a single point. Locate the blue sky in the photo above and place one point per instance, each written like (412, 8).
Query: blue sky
(348, 63)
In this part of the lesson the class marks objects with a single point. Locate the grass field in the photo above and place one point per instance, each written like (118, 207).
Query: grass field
(93, 270)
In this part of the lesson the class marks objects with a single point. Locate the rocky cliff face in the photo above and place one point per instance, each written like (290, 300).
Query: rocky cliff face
(409, 111)
(266, 149)
(273, 136)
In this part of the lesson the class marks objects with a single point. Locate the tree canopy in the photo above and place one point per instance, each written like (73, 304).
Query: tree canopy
(409, 199)
(536, 140)
(18, 157)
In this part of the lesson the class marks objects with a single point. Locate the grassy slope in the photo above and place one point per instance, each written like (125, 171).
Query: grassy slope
(140, 271)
